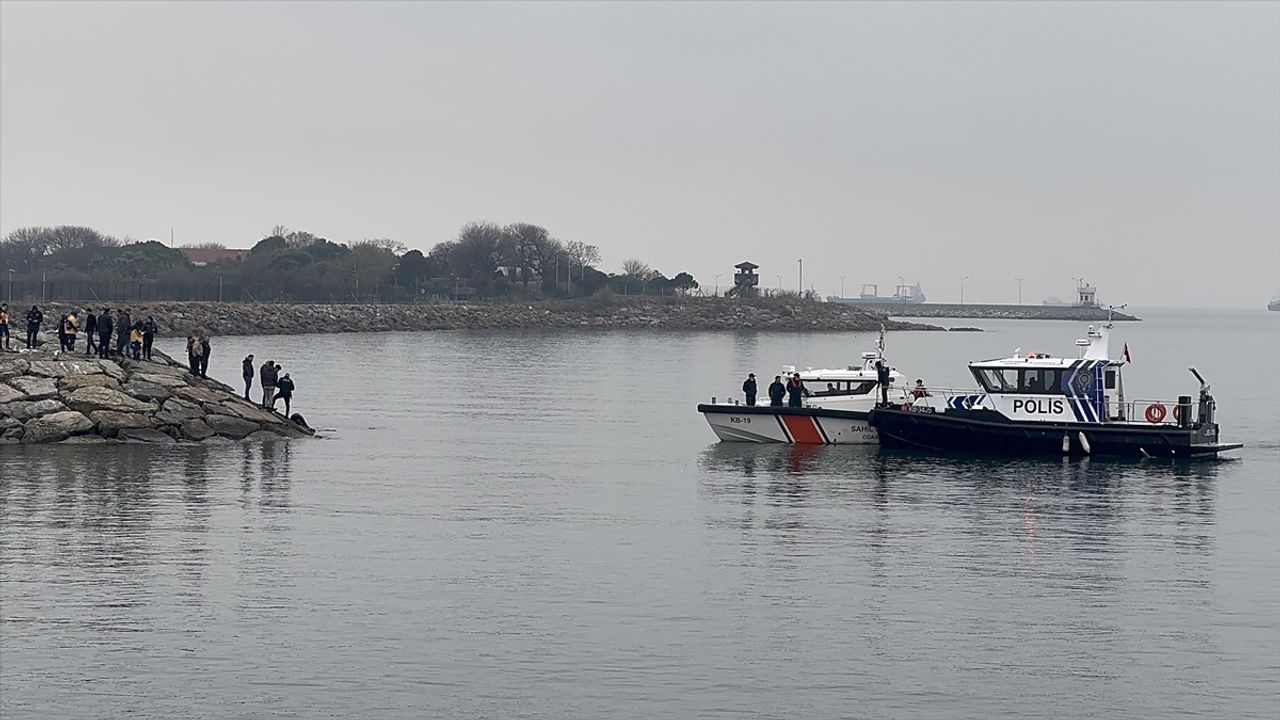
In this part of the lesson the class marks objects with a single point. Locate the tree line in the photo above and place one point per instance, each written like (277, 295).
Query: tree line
(485, 260)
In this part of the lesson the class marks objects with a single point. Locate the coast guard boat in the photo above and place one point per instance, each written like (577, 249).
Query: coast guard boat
(1039, 404)
(835, 413)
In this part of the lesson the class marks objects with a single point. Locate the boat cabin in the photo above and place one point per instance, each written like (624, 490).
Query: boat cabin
(1038, 384)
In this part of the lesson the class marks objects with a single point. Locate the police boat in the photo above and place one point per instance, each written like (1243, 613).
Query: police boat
(834, 413)
(1042, 405)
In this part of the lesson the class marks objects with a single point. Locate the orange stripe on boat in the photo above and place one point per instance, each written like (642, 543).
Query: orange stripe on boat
(803, 430)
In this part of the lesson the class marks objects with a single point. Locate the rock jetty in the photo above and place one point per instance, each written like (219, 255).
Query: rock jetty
(50, 396)
(680, 313)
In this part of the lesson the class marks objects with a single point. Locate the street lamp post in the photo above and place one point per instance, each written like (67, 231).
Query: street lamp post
(966, 277)
(842, 277)
(1019, 290)
(10, 286)
(717, 285)
(800, 282)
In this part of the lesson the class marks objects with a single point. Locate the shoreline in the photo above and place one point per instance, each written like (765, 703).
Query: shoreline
(654, 313)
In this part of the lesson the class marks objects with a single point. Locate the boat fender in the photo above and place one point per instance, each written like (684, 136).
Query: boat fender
(1084, 443)
(1066, 443)
(1155, 413)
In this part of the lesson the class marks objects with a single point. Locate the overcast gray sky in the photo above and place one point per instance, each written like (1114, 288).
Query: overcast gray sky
(1134, 144)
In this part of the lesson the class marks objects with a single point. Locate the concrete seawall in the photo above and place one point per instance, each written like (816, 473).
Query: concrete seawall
(182, 318)
(987, 312)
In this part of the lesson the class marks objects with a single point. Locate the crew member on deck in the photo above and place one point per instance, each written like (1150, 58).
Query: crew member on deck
(882, 376)
(776, 391)
(796, 391)
(749, 388)
(919, 391)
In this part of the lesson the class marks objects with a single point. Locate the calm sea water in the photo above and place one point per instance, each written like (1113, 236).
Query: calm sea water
(539, 525)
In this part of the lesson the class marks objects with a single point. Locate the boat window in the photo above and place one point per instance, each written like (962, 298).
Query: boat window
(1043, 381)
(1110, 380)
(862, 388)
(996, 380)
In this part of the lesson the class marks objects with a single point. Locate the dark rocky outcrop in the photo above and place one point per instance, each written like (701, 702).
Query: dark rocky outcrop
(50, 396)
(659, 313)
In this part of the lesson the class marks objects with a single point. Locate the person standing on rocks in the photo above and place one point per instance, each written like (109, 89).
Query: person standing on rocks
(205, 349)
(123, 325)
(248, 375)
(62, 333)
(90, 330)
(72, 328)
(284, 391)
(148, 337)
(267, 376)
(776, 391)
(749, 388)
(5, 319)
(34, 319)
(104, 333)
(135, 341)
(193, 356)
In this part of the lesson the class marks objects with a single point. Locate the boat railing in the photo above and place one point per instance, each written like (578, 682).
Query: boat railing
(1154, 412)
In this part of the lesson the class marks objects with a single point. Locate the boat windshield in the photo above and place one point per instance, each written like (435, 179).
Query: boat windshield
(997, 380)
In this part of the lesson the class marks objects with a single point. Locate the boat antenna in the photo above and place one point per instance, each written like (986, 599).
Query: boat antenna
(1111, 311)
(880, 342)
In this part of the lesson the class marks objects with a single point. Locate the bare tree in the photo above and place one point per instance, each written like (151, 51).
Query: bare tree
(637, 269)
(582, 254)
(279, 231)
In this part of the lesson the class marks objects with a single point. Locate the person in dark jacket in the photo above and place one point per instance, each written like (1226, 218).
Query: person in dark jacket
(104, 333)
(777, 391)
(882, 377)
(795, 391)
(204, 356)
(749, 388)
(267, 375)
(193, 355)
(148, 337)
(284, 391)
(62, 333)
(34, 319)
(90, 332)
(5, 319)
(248, 375)
(123, 325)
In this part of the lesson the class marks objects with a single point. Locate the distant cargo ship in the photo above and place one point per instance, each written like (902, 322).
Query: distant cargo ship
(870, 294)
(1274, 304)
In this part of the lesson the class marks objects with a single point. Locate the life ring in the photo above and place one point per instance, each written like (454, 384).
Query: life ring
(1177, 413)
(1155, 413)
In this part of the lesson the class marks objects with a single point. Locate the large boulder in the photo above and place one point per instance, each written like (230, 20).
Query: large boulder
(13, 367)
(110, 422)
(199, 395)
(252, 413)
(25, 411)
(196, 430)
(35, 388)
(70, 383)
(56, 426)
(176, 410)
(8, 394)
(64, 367)
(145, 435)
(168, 381)
(88, 399)
(232, 427)
(147, 390)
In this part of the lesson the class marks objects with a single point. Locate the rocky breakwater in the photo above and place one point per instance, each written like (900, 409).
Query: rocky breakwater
(48, 396)
(601, 312)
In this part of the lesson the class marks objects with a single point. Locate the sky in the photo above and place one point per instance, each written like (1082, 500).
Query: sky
(1135, 145)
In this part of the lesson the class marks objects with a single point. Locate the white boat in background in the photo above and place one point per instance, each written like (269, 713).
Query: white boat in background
(835, 413)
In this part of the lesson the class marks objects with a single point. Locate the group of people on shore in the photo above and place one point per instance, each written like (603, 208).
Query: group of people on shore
(275, 386)
(133, 338)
